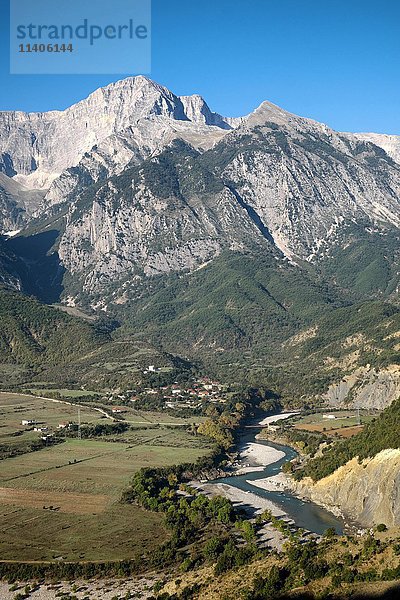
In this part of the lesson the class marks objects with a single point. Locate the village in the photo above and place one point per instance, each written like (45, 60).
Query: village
(191, 395)
(185, 398)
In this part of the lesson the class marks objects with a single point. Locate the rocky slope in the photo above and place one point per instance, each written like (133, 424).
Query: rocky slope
(306, 182)
(366, 387)
(37, 147)
(367, 492)
(17, 203)
(389, 143)
(293, 182)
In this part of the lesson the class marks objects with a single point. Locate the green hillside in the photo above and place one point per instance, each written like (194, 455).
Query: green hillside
(237, 301)
(34, 336)
(364, 262)
(42, 343)
(264, 322)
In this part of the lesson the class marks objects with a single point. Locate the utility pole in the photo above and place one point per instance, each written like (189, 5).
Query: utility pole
(79, 423)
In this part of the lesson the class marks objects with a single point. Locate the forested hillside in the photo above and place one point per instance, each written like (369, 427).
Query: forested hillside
(34, 336)
(264, 322)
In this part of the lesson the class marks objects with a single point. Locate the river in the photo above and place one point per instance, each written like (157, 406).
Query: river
(305, 514)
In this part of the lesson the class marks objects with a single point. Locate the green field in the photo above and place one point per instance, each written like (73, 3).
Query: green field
(142, 417)
(101, 467)
(345, 421)
(63, 500)
(14, 408)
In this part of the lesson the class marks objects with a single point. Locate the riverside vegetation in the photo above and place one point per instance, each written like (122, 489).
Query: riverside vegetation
(206, 534)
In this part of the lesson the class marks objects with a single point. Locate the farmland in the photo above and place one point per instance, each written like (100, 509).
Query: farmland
(343, 423)
(63, 500)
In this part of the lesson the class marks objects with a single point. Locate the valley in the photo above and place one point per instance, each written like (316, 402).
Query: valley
(173, 283)
(61, 497)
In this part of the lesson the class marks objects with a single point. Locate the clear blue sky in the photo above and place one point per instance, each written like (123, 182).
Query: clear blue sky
(337, 61)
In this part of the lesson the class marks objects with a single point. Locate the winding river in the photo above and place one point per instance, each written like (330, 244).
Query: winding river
(305, 514)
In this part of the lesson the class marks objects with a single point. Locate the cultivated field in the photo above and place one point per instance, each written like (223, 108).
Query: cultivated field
(344, 424)
(63, 500)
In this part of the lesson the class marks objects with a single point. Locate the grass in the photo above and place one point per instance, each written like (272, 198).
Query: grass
(101, 467)
(14, 408)
(82, 480)
(344, 425)
(122, 531)
(63, 392)
(152, 417)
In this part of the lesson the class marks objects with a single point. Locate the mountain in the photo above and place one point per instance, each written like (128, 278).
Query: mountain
(227, 240)
(34, 337)
(60, 151)
(41, 343)
(16, 201)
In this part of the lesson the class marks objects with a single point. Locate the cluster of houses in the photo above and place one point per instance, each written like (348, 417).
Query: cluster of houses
(43, 429)
(176, 396)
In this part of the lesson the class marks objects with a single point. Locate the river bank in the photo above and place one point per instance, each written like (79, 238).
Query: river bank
(106, 589)
(257, 483)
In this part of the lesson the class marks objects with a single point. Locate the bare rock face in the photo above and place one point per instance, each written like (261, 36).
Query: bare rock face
(389, 143)
(153, 220)
(367, 492)
(305, 181)
(197, 110)
(39, 146)
(98, 137)
(17, 203)
(129, 147)
(366, 388)
(302, 179)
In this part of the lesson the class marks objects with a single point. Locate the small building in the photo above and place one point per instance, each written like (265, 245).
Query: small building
(328, 417)
(28, 422)
(273, 427)
(41, 429)
(118, 409)
(64, 425)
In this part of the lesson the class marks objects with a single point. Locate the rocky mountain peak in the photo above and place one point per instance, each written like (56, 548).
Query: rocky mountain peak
(198, 111)
(35, 148)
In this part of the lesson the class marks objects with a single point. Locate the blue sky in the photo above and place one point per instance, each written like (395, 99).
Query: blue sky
(336, 61)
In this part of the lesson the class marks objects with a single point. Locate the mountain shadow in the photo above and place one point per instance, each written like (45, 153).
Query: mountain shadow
(39, 265)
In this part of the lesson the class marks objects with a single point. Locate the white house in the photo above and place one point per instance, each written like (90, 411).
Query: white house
(28, 422)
